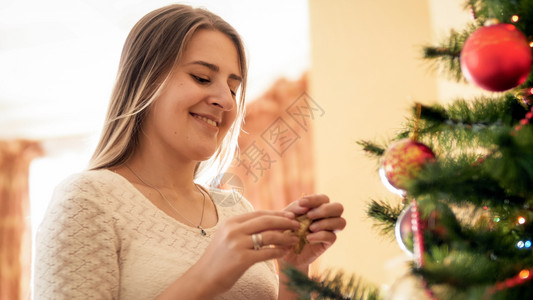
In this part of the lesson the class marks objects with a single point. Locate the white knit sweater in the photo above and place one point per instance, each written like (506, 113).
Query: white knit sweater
(102, 239)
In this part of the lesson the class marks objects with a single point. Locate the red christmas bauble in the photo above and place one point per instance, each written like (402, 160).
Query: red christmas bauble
(496, 57)
(402, 162)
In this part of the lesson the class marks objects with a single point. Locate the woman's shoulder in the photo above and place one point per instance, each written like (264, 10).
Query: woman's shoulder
(90, 185)
(87, 181)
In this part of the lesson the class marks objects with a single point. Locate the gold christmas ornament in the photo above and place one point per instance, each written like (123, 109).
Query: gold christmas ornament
(301, 233)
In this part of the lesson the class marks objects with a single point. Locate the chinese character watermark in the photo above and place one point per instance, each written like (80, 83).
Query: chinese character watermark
(231, 182)
(279, 136)
(305, 109)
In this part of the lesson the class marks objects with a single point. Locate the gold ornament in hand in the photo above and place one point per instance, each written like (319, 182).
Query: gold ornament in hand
(301, 233)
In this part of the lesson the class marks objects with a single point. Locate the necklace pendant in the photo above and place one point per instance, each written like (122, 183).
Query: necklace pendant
(202, 231)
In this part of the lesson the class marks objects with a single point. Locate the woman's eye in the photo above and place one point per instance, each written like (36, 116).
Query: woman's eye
(234, 93)
(200, 79)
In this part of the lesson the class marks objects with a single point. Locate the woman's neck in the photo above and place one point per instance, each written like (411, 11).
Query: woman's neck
(174, 174)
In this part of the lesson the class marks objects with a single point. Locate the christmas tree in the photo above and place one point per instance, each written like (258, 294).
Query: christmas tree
(464, 171)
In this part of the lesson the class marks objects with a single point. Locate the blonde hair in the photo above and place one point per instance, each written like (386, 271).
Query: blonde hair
(152, 48)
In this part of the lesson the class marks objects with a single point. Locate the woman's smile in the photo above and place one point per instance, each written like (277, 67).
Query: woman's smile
(207, 122)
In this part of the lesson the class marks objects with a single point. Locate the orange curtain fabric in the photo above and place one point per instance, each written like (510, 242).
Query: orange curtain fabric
(275, 163)
(15, 229)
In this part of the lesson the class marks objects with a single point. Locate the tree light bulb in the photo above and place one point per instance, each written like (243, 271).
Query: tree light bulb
(524, 274)
(520, 244)
(515, 18)
(521, 220)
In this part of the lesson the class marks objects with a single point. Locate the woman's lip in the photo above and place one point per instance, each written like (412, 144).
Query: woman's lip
(204, 123)
(208, 116)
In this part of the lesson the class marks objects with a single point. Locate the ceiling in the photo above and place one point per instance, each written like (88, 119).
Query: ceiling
(58, 58)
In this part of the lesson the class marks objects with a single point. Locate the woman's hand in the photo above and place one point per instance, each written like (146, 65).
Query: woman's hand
(232, 251)
(326, 221)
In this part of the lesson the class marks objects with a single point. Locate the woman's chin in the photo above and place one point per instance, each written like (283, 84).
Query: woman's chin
(205, 154)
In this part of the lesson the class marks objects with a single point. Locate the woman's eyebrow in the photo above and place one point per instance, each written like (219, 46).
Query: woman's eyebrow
(214, 68)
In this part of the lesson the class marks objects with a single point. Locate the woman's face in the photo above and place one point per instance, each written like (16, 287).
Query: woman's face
(197, 106)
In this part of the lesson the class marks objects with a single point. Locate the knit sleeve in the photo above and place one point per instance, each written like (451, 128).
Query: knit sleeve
(76, 246)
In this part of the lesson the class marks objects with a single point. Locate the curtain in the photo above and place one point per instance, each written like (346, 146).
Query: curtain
(275, 162)
(15, 229)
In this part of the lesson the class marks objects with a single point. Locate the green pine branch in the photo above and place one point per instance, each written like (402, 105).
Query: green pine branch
(506, 109)
(467, 123)
(445, 57)
(463, 270)
(371, 148)
(460, 181)
(330, 286)
(506, 173)
(503, 10)
(385, 216)
(512, 162)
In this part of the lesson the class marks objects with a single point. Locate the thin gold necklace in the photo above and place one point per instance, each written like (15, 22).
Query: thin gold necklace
(199, 226)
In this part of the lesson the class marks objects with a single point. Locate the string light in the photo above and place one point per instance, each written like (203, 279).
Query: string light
(521, 220)
(530, 44)
(523, 122)
(522, 277)
(523, 244)
(520, 244)
(524, 274)
(515, 18)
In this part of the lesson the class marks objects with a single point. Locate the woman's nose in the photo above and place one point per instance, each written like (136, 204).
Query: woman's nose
(223, 98)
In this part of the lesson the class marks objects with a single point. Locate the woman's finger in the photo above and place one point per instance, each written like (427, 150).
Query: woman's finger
(258, 213)
(325, 237)
(328, 210)
(304, 204)
(268, 222)
(331, 224)
(273, 238)
(268, 253)
(312, 201)
(296, 208)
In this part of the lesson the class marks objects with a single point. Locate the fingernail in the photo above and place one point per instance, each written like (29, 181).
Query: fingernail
(313, 227)
(303, 201)
(289, 214)
(296, 224)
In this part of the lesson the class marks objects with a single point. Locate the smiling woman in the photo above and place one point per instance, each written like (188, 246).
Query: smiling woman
(137, 225)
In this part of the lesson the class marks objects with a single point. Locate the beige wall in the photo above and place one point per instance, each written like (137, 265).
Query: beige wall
(366, 72)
